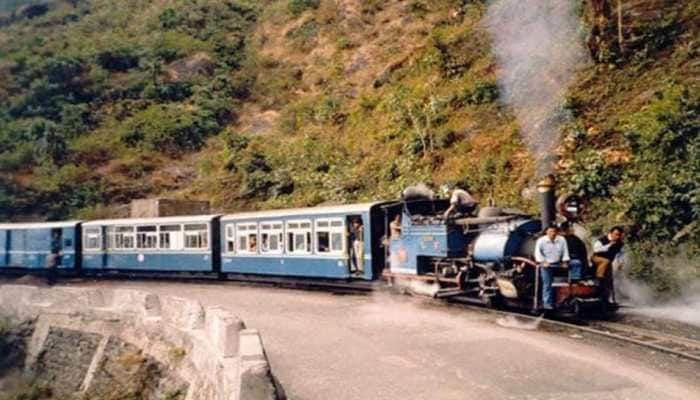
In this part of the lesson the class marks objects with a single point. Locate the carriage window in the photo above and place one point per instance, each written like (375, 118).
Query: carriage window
(170, 237)
(271, 238)
(247, 235)
(299, 237)
(120, 237)
(330, 237)
(147, 237)
(230, 239)
(196, 236)
(93, 239)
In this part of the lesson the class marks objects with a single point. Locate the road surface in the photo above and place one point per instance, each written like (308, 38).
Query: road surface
(332, 347)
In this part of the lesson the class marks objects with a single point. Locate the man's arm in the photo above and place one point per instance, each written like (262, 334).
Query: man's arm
(539, 256)
(599, 247)
(565, 255)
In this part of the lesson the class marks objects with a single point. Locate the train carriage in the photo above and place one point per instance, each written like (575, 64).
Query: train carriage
(307, 242)
(28, 245)
(166, 244)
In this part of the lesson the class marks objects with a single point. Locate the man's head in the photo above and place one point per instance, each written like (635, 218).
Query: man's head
(616, 233)
(552, 231)
(356, 222)
(565, 228)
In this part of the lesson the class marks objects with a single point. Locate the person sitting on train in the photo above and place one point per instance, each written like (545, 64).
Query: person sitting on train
(551, 252)
(461, 202)
(253, 244)
(395, 228)
(357, 234)
(607, 250)
(577, 252)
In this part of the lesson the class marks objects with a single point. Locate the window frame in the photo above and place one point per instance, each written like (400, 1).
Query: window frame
(230, 228)
(88, 235)
(207, 237)
(113, 231)
(330, 229)
(244, 228)
(276, 228)
(289, 230)
(180, 239)
(147, 234)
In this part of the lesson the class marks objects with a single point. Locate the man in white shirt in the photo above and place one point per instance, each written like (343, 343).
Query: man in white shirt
(462, 202)
(551, 252)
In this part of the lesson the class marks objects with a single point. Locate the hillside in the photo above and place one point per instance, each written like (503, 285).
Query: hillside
(259, 104)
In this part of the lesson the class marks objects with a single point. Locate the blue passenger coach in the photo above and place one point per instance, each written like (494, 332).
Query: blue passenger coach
(308, 242)
(28, 245)
(167, 244)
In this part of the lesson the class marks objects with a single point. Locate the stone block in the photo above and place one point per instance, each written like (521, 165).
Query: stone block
(256, 380)
(136, 301)
(183, 313)
(223, 331)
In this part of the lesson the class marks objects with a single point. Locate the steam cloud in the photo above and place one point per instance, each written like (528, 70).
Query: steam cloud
(685, 307)
(538, 49)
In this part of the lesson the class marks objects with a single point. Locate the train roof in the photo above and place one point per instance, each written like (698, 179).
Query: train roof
(321, 210)
(156, 220)
(39, 225)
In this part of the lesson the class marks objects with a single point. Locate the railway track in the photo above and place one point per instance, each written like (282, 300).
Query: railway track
(676, 345)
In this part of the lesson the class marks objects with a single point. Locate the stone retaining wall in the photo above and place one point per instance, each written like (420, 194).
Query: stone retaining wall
(206, 353)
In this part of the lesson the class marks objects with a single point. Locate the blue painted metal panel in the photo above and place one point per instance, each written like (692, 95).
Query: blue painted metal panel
(151, 261)
(160, 261)
(4, 243)
(503, 240)
(332, 268)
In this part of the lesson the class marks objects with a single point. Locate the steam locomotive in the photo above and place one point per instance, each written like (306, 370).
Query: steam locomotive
(487, 258)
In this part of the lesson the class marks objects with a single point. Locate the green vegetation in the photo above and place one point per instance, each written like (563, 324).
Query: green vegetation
(298, 102)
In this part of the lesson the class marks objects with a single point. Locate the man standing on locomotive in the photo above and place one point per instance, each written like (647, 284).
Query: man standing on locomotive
(461, 202)
(551, 252)
(606, 251)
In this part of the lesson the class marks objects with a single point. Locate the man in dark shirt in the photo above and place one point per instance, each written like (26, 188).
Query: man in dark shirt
(577, 252)
(606, 250)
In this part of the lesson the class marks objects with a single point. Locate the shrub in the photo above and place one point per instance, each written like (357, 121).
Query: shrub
(118, 59)
(662, 187)
(62, 69)
(169, 129)
(297, 7)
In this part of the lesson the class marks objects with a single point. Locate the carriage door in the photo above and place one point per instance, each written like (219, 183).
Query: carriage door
(352, 254)
(57, 244)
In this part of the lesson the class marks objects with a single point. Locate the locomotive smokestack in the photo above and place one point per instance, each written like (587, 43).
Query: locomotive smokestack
(547, 193)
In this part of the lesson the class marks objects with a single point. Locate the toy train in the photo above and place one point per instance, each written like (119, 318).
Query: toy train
(488, 257)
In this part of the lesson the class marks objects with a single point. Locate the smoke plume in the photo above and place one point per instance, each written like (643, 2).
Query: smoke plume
(538, 49)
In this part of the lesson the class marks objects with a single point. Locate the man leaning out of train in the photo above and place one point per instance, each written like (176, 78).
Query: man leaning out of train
(551, 252)
(608, 250)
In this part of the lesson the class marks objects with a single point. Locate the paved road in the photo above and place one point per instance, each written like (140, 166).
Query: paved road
(330, 347)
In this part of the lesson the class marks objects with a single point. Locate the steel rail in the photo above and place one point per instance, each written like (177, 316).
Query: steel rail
(625, 333)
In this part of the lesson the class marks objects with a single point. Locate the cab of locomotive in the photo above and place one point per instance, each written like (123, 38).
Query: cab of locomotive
(424, 236)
